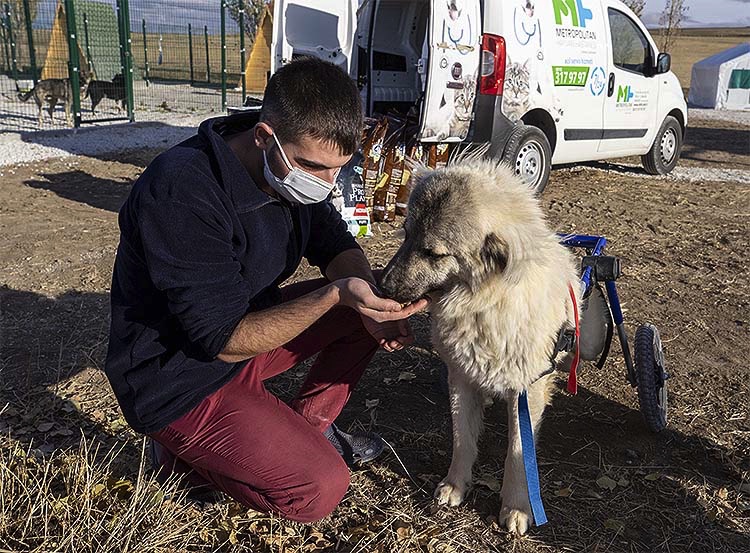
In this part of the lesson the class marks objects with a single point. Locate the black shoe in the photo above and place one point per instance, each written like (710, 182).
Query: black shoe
(359, 447)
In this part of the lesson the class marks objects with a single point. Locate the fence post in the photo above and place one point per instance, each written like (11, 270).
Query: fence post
(5, 44)
(242, 50)
(14, 61)
(30, 37)
(223, 56)
(145, 52)
(126, 57)
(208, 65)
(190, 49)
(74, 61)
(89, 60)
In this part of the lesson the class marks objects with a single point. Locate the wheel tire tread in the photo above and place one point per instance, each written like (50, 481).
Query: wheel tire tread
(645, 366)
(651, 160)
(513, 145)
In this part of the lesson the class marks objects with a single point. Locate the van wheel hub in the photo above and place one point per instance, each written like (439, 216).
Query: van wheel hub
(668, 146)
(530, 163)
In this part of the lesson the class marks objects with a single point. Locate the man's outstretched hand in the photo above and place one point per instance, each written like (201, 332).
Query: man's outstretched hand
(359, 295)
(383, 318)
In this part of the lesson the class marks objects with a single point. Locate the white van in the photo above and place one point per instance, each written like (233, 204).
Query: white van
(542, 81)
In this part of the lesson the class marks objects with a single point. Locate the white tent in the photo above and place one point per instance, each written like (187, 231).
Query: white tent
(722, 81)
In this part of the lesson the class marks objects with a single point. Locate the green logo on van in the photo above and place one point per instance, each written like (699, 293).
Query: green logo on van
(573, 10)
(624, 94)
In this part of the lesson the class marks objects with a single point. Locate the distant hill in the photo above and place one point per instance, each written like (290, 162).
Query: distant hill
(708, 31)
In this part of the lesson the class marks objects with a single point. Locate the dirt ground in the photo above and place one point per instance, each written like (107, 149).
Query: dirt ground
(684, 248)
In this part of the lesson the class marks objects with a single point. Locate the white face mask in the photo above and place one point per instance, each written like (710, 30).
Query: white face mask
(298, 186)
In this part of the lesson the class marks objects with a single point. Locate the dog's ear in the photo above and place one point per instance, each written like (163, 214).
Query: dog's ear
(494, 253)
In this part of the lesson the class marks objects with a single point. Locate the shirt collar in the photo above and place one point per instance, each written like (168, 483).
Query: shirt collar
(235, 179)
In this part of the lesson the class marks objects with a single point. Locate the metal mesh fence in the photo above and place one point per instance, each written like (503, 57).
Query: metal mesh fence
(178, 55)
(25, 44)
(132, 58)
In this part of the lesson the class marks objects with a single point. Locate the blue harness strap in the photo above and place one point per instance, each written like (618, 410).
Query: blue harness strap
(529, 460)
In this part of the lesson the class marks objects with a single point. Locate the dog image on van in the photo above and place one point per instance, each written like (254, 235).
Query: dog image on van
(476, 242)
(51, 92)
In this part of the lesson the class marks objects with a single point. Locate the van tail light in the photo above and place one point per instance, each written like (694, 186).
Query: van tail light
(493, 65)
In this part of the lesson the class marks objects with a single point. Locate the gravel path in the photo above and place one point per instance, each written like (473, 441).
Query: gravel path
(692, 174)
(734, 116)
(162, 131)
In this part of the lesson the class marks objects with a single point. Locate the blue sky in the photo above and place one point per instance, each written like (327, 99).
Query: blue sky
(719, 13)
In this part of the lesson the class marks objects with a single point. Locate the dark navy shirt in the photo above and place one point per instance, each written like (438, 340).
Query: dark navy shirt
(200, 246)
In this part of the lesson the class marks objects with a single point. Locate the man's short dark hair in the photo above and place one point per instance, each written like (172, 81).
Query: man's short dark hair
(312, 97)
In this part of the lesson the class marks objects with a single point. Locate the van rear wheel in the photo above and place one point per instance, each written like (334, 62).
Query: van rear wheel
(665, 152)
(529, 155)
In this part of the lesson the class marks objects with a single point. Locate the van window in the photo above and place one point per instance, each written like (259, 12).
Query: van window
(630, 48)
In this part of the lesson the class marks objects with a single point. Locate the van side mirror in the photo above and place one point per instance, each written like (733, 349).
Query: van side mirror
(663, 63)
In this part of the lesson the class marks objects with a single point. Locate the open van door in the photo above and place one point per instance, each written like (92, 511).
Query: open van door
(452, 65)
(322, 28)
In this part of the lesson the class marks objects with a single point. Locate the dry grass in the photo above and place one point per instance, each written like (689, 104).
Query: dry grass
(70, 501)
(76, 500)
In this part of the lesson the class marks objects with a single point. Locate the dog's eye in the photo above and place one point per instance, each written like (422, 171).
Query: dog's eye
(434, 255)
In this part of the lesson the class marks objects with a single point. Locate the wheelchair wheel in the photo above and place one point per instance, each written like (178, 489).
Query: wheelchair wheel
(651, 377)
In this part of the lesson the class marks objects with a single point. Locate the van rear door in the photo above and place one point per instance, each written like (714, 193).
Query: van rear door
(630, 107)
(322, 28)
(452, 65)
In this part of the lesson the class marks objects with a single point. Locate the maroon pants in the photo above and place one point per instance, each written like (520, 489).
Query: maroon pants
(265, 454)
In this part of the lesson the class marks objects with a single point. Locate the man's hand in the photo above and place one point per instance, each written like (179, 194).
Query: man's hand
(391, 335)
(359, 295)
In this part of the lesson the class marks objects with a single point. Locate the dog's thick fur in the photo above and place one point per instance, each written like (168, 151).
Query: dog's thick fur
(51, 92)
(477, 243)
(114, 90)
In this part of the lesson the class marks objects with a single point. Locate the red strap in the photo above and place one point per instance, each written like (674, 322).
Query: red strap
(572, 382)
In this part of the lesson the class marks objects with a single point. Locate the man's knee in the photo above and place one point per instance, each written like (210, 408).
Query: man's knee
(318, 497)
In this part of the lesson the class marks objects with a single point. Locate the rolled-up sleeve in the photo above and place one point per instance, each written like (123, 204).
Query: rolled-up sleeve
(188, 252)
(329, 236)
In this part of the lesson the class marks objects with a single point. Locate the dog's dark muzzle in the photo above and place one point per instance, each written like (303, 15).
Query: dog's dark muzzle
(392, 282)
(403, 281)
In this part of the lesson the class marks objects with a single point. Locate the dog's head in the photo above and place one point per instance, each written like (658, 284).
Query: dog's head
(462, 229)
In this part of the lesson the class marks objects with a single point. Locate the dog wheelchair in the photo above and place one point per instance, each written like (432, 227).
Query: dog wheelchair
(645, 372)
(645, 369)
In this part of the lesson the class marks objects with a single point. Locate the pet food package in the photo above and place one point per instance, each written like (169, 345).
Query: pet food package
(396, 179)
(349, 197)
(373, 154)
(416, 158)
(384, 194)
(438, 156)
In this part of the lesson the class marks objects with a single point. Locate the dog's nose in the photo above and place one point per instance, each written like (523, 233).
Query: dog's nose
(384, 282)
(388, 285)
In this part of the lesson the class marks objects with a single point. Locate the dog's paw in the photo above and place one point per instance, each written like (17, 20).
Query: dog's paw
(450, 494)
(516, 521)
